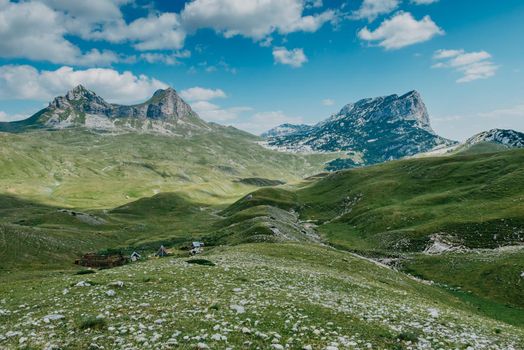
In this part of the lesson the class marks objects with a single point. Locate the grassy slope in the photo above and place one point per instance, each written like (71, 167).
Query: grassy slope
(41, 172)
(397, 205)
(392, 209)
(86, 170)
(256, 295)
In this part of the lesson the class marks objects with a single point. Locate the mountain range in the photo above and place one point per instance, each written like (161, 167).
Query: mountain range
(369, 131)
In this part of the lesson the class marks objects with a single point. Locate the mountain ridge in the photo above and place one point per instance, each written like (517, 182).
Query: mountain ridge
(165, 112)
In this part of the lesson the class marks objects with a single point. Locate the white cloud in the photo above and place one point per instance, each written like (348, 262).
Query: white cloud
(40, 29)
(423, 2)
(34, 31)
(212, 112)
(263, 121)
(401, 30)
(26, 82)
(155, 32)
(328, 102)
(294, 58)
(168, 59)
(371, 9)
(79, 17)
(314, 3)
(252, 19)
(472, 65)
(4, 117)
(202, 94)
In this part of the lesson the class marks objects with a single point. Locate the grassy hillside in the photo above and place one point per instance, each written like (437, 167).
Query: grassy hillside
(83, 169)
(116, 178)
(398, 209)
(68, 192)
(477, 201)
(256, 296)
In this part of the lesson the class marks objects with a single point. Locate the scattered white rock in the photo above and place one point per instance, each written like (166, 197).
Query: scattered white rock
(53, 317)
(238, 308)
(118, 284)
(433, 312)
(83, 284)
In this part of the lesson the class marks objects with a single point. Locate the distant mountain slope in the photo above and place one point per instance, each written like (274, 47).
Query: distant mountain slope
(80, 167)
(506, 138)
(165, 112)
(378, 129)
(286, 129)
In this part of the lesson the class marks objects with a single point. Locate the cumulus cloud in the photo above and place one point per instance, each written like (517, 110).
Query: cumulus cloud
(371, 9)
(263, 121)
(253, 19)
(40, 29)
(202, 94)
(472, 65)
(156, 32)
(33, 30)
(294, 58)
(79, 17)
(401, 30)
(26, 82)
(169, 59)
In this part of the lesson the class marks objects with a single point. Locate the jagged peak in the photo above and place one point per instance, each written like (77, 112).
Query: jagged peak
(412, 93)
(80, 89)
(163, 92)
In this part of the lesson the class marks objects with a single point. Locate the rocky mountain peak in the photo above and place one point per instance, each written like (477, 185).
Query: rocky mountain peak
(376, 129)
(81, 99)
(387, 109)
(166, 104)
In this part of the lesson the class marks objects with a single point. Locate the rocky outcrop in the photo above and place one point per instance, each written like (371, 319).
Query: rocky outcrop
(507, 138)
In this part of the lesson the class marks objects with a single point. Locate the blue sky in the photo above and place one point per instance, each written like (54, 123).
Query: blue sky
(255, 64)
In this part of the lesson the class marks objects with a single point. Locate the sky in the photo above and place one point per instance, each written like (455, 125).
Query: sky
(255, 64)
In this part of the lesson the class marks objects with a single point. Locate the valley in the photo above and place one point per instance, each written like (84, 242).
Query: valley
(297, 253)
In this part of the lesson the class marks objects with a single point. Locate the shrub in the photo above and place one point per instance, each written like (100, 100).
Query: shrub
(93, 323)
(408, 336)
(201, 262)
